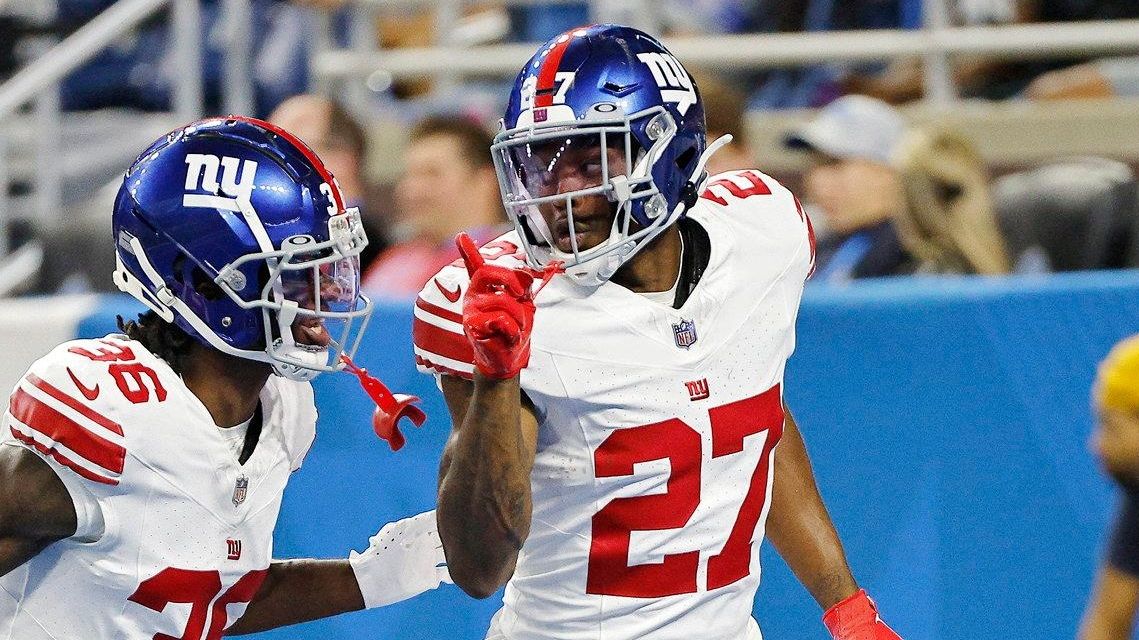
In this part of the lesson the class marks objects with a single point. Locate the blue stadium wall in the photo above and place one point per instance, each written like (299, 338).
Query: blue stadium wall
(948, 422)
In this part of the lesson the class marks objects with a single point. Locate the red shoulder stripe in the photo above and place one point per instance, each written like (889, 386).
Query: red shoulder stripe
(419, 360)
(441, 342)
(63, 430)
(436, 310)
(62, 459)
(810, 234)
(74, 403)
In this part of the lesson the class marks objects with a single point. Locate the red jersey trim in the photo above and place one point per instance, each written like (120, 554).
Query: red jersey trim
(74, 403)
(63, 430)
(427, 364)
(810, 234)
(436, 310)
(453, 346)
(53, 453)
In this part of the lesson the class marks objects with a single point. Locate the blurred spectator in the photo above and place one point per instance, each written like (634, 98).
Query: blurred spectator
(407, 26)
(948, 224)
(724, 110)
(448, 185)
(990, 78)
(903, 80)
(329, 130)
(538, 23)
(1107, 78)
(812, 86)
(854, 185)
(141, 70)
(1110, 611)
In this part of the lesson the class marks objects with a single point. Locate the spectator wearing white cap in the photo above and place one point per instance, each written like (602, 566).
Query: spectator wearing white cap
(852, 183)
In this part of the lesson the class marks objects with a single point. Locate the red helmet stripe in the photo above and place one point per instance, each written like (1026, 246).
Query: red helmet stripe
(544, 91)
(308, 153)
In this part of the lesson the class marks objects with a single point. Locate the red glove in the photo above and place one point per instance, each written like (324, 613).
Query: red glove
(856, 618)
(498, 313)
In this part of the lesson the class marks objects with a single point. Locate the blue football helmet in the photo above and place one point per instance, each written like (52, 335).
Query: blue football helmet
(617, 89)
(233, 229)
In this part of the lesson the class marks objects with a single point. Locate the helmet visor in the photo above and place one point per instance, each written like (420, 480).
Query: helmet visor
(562, 163)
(548, 179)
(326, 293)
(566, 163)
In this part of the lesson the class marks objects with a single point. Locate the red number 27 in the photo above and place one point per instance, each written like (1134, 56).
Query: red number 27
(609, 570)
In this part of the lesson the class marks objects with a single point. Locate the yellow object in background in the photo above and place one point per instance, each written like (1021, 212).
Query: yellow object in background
(1118, 383)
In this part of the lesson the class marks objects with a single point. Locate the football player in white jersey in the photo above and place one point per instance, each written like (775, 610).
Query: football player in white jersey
(141, 474)
(613, 459)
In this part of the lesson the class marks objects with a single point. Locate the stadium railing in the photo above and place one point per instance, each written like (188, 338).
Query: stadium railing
(343, 69)
(39, 84)
(935, 42)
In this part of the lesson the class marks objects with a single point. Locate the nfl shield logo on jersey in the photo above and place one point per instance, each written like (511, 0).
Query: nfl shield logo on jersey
(685, 333)
(240, 488)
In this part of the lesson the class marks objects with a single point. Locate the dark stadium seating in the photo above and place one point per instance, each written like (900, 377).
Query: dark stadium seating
(1078, 213)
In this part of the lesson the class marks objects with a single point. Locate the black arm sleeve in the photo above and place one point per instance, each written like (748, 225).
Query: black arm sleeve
(1123, 551)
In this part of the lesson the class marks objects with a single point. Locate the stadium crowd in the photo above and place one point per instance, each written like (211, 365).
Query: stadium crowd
(888, 197)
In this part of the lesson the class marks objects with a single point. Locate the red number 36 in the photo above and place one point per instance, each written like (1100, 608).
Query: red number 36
(609, 570)
(197, 589)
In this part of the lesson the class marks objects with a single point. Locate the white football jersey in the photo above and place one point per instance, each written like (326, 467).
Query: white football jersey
(187, 530)
(657, 429)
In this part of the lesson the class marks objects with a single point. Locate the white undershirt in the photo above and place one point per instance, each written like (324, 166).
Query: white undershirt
(234, 436)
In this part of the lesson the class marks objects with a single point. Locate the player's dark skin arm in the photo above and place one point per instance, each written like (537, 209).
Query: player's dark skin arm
(36, 510)
(1110, 614)
(35, 507)
(297, 591)
(799, 526)
(484, 481)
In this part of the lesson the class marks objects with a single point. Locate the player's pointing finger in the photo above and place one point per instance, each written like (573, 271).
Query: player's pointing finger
(471, 256)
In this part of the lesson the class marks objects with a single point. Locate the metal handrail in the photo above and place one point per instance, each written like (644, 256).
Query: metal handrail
(761, 51)
(39, 81)
(77, 49)
(427, 4)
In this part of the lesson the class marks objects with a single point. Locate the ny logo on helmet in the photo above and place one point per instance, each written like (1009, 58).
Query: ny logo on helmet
(671, 78)
(202, 175)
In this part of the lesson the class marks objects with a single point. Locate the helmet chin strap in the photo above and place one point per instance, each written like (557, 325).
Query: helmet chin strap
(717, 144)
(289, 358)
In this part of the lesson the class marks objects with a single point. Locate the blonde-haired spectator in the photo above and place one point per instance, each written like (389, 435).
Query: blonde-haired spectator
(948, 223)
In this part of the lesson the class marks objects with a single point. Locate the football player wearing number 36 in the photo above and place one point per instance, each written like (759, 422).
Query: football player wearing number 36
(141, 474)
(620, 443)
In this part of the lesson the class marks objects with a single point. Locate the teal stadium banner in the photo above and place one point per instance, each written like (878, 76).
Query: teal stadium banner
(948, 422)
